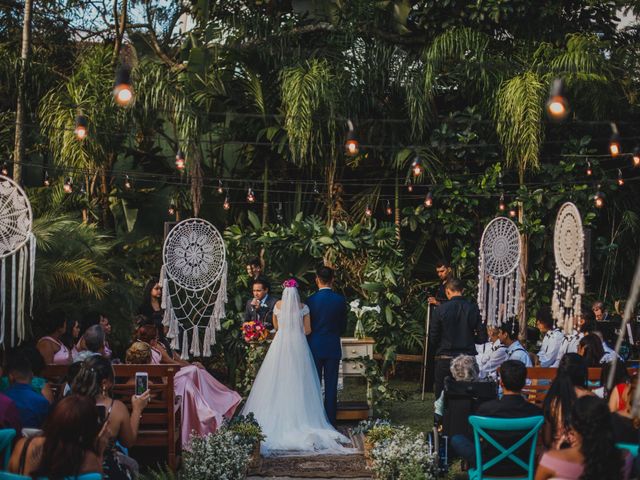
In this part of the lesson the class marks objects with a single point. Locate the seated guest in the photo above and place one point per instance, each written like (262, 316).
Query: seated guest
(254, 268)
(625, 426)
(492, 355)
(9, 414)
(590, 348)
(570, 383)
(72, 443)
(463, 369)
(92, 343)
(551, 339)
(205, 401)
(90, 319)
(95, 380)
(609, 353)
(260, 307)
(148, 332)
(618, 396)
(513, 375)
(585, 324)
(592, 454)
(509, 338)
(33, 406)
(50, 346)
(599, 312)
(71, 333)
(38, 383)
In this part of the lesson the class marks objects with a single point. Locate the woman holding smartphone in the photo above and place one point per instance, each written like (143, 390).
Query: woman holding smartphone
(96, 379)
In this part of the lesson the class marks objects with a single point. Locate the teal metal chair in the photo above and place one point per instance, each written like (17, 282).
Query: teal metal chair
(529, 425)
(632, 447)
(84, 476)
(6, 441)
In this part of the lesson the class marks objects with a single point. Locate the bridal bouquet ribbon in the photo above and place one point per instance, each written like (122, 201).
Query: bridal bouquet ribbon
(254, 332)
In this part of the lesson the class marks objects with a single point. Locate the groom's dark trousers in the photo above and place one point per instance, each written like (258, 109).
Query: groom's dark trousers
(328, 312)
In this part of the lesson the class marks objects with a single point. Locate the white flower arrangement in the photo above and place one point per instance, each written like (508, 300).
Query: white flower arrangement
(217, 456)
(405, 456)
(361, 310)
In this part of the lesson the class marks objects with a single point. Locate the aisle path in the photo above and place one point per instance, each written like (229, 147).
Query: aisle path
(315, 466)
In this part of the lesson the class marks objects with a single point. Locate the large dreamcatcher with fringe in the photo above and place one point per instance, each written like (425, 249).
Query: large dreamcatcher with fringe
(568, 248)
(499, 282)
(194, 286)
(17, 260)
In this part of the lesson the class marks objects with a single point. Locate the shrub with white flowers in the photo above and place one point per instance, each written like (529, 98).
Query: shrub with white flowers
(404, 456)
(218, 456)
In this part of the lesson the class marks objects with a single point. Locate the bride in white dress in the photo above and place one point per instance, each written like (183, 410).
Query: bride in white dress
(286, 398)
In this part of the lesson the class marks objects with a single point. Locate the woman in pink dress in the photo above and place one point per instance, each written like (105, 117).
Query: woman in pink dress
(51, 347)
(592, 454)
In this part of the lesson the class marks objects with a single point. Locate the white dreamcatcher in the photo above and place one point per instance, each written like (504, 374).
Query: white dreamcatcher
(499, 282)
(194, 281)
(17, 259)
(568, 248)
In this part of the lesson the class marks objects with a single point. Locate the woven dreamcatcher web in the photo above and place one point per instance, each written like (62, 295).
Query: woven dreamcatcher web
(194, 281)
(568, 248)
(499, 282)
(17, 259)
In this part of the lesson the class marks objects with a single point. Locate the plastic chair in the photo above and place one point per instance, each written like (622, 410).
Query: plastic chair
(531, 425)
(6, 440)
(632, 447)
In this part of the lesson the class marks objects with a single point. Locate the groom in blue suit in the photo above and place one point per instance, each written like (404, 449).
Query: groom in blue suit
(328, 311)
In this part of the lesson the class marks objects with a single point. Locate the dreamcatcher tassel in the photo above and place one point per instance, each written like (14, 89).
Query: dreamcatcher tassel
(175, 343)
(174, 330)
(184, 353)
(166, 298)
(206, 343)
(22, 286)
(3, 292)
(32, 269)
(13, 300)
(195, 342)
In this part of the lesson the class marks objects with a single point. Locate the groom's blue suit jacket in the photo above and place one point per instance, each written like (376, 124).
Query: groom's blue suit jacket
(328, 311)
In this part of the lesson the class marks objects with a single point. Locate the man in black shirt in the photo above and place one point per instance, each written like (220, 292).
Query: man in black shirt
(455, 330)
(443, 270)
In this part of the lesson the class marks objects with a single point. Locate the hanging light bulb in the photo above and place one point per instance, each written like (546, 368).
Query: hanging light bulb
(127, 183)
(499, 182)
(68, 185)
(123, 90)
(226, 205)
(589, 170)
(635, 157)
(315, 188)
(620, 178)
(388, 210)
(5, 169)
(557, 104)
(416, 167)
(409, 186)
(251, 197)
(501, 205)
(279, 214)
(598, 198)
(220, 187)
(46, 182)
(513, 212)
(614, 141)
(180, 160)
(172, 209)
(428, 200)
(82, 127)
(367, 211)
(351, 146)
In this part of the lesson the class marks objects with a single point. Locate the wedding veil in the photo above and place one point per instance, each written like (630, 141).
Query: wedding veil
(289, 317)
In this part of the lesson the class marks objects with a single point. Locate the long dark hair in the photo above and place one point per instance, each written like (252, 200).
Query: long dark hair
(70, 432)
(67, 336)
(93, 372)
(572, 372)
(146, 292)
(593, 350)
(620, 375)
(591, 419)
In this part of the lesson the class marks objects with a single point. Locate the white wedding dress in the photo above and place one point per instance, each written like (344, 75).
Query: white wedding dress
(286, 398)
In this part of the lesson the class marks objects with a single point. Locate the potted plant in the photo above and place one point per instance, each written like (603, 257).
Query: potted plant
(248, 432)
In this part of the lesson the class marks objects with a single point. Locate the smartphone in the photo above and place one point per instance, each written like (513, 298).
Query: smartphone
(142, 382)
(102, 414)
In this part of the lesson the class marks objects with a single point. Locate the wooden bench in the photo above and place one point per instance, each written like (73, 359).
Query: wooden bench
(160, 422)
(540, 380)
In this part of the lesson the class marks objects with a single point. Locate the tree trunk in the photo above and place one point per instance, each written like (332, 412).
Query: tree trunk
(120, 26)
(396, 208)
(265, 194)
(523, 271)
(18, 152)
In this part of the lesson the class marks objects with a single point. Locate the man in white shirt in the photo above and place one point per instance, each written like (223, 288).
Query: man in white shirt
(551, 340)
(515, 350)
(491, 355)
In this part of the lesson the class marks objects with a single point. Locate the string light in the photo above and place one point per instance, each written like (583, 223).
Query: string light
(226, 205)
(315, 188)
(614, 142)
(172, 209)
(5, 169)
(557, 105)
(428, 200)
(589, 171)
(598, 198)
(68, 185)
(368, 212)
(279, 215)
(123, 90)
(409, 186)
(635, 157)
(620, 178)
(81, 130)
(220, 187)
(180, 160)
(351, 146)
(127, 183)
(251, 197)
(416, 167)
(501, 205)
(46, 182)
(499, 183)
(513, 213)
(388, 210)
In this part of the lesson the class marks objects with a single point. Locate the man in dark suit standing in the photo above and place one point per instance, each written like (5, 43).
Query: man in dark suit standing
(328, 321)
(260, 307)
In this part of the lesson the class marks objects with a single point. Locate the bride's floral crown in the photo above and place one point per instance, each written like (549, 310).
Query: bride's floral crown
(291, 283)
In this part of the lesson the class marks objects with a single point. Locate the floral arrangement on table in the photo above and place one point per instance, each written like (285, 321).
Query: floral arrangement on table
(360, 311)
(401, 454)
(220, 455)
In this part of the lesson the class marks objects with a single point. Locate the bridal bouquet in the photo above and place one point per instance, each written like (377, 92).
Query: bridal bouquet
(254, 332)
(360, 312)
